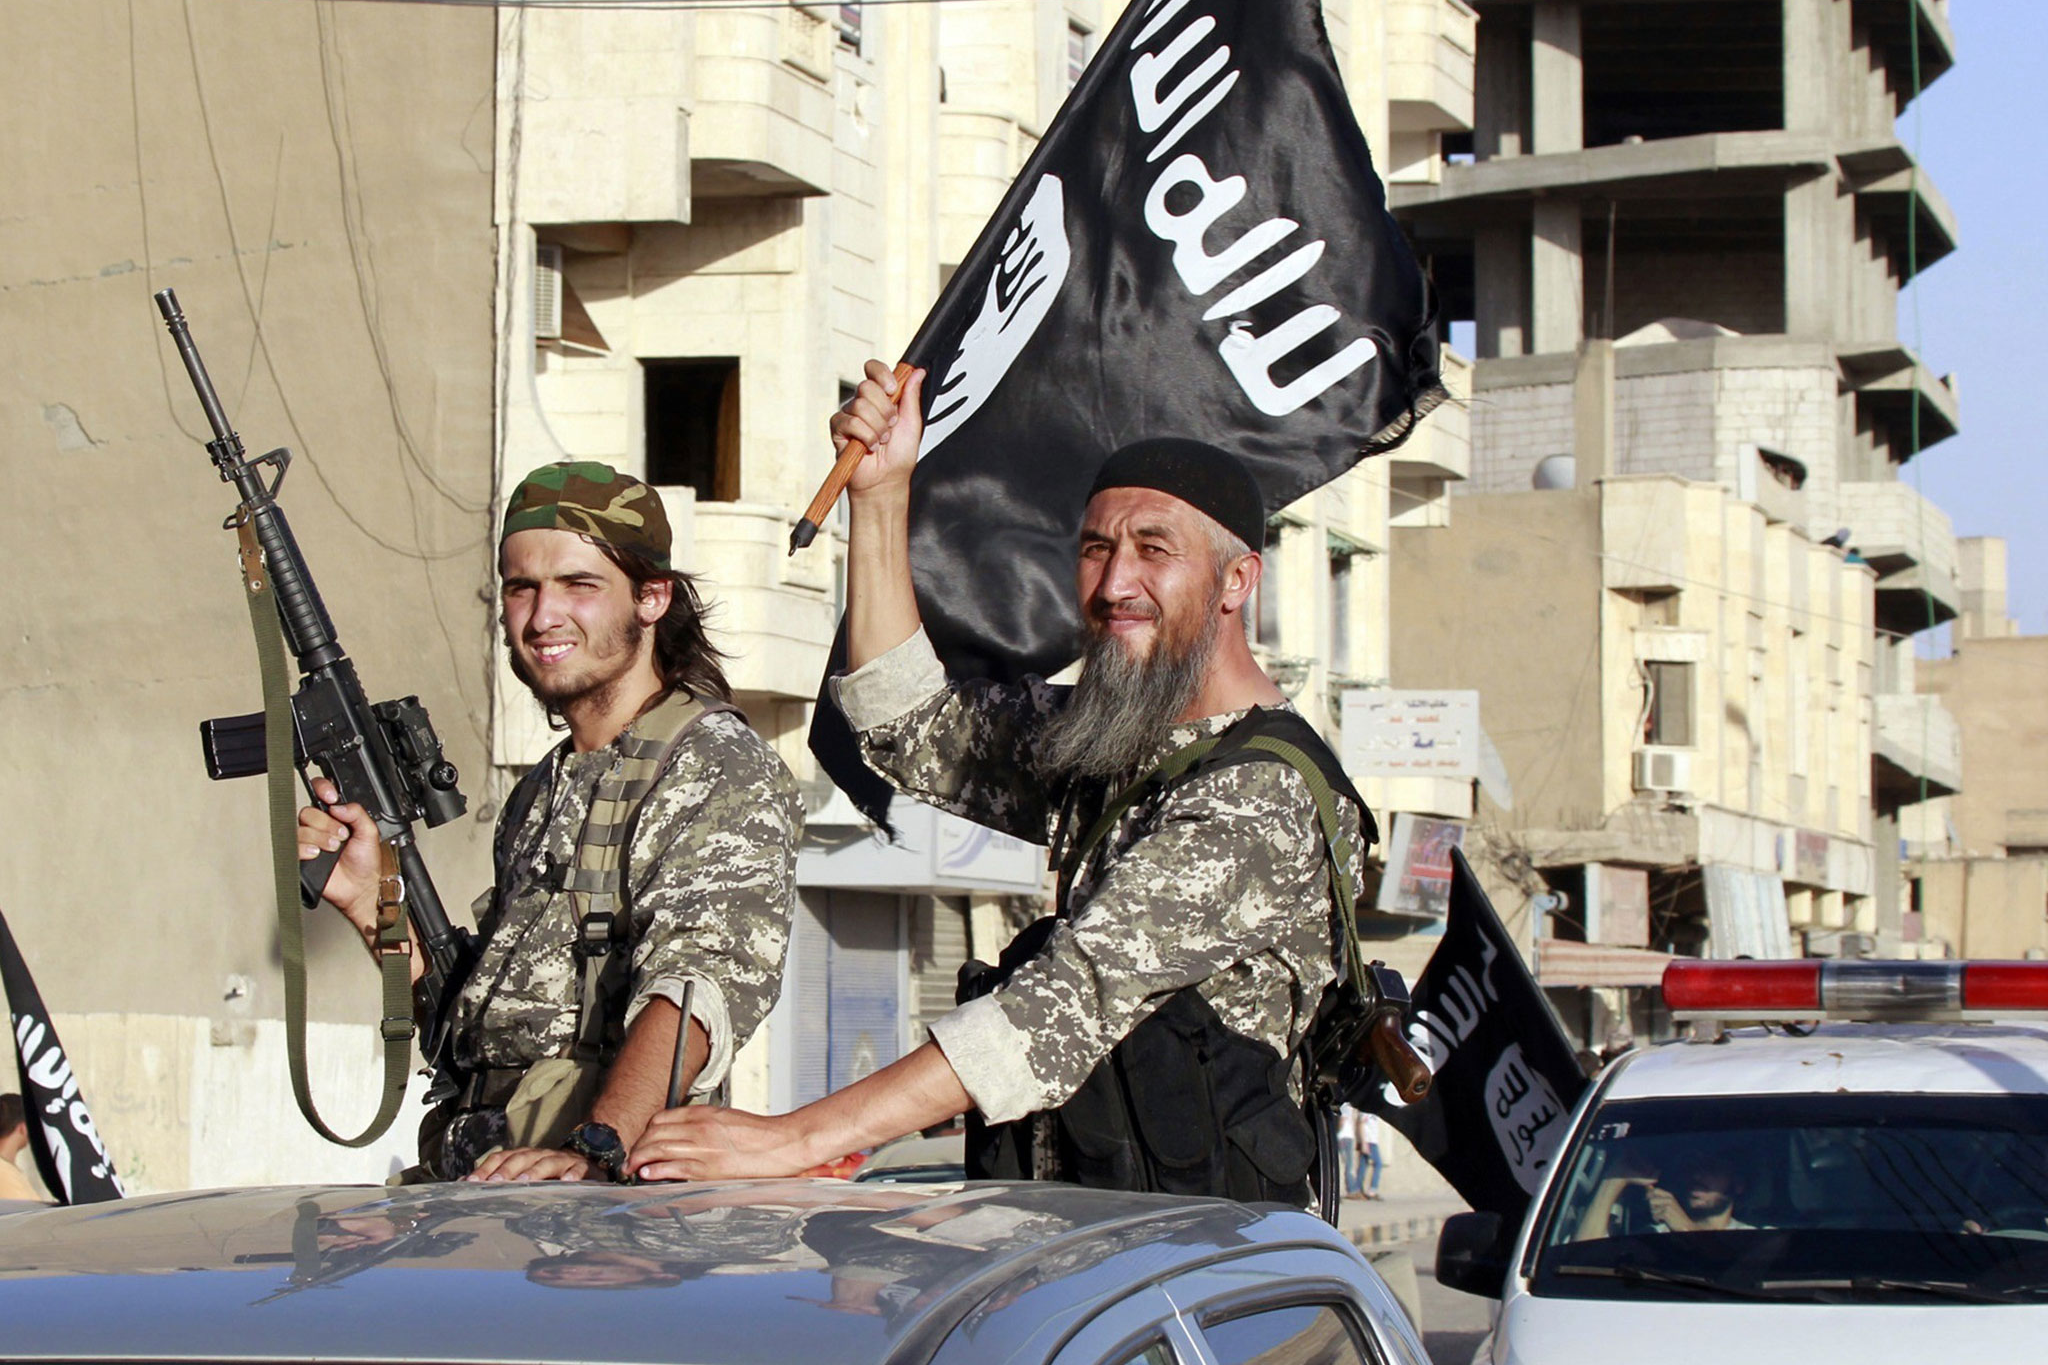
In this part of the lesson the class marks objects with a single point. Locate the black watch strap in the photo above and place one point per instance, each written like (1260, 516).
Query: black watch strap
(600, 1144)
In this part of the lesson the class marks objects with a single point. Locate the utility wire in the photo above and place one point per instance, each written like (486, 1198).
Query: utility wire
(249, 300)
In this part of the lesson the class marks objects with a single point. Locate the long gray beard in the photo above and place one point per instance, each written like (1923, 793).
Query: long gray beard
(1122, 707)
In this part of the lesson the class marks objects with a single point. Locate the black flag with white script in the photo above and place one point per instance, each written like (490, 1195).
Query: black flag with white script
(69, 1154)
(1198, 248)
(1507, 1078)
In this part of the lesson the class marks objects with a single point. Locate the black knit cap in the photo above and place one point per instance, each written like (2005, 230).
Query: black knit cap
(1209, 480)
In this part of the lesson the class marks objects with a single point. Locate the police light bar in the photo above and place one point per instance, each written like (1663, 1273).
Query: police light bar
(1828, 989)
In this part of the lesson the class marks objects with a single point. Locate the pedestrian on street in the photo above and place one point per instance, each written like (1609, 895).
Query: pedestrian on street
(1366, 1178)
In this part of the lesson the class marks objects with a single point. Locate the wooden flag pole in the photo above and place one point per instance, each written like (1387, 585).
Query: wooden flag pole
(814, 516)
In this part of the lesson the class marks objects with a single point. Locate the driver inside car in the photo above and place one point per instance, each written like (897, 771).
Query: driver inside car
(1700, 1198)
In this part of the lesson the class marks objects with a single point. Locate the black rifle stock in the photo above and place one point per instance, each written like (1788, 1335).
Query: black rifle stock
(383, 757)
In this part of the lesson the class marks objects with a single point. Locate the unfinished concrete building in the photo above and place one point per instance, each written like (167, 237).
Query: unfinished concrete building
(1678, 234)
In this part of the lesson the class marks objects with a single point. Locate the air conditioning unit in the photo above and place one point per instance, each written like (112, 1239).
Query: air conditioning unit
(1663, 770)
(547, 292)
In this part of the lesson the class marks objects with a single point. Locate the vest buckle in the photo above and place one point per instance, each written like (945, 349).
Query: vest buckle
(594, 934)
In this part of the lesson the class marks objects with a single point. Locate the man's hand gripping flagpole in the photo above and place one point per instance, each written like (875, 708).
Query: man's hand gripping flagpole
(850, 457)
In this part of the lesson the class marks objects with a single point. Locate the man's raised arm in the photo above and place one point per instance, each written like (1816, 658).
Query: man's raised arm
(881, 608)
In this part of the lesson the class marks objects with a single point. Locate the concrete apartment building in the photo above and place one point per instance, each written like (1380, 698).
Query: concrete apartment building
(1978, 868)
(1684, 574)
(430, 247)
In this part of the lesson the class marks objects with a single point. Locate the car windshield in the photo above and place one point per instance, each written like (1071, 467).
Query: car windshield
(1803, 1198)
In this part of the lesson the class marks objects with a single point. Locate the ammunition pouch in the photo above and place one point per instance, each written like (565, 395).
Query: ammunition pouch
(1182, 1105)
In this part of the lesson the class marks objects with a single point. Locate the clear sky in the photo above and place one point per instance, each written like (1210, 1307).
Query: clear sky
(1979, 131)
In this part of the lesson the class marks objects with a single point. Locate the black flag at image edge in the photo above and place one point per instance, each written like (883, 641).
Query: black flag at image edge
(69, 1153)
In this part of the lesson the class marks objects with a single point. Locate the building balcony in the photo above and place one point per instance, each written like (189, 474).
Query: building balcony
(601, 106)
(763, 124)
(1889, 186)
(1441, 446)
(1430, 64)
(1911, 545)
(774, 612)
(1710, 164)
(1774, 483)
(1890, 383)
(1916, 750)
(1891, 25)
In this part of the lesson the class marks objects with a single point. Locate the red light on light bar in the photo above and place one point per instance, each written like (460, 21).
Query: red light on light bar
(2005, 986)
(1871, 989)
(1789, 986)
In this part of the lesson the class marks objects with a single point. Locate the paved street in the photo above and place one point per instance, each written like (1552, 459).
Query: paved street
(1452, 1323)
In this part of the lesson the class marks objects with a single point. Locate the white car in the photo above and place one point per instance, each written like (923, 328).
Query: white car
(1865, 1177)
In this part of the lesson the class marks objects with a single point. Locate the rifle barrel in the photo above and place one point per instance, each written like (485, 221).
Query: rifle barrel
(216, 416)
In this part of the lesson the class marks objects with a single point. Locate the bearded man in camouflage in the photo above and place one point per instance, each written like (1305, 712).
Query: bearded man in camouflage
(1204, 911)
(611, 640)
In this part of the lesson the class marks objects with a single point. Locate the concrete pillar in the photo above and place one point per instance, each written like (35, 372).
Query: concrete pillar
(1593, 412)
(1812, 223)
(1500, 92)
(1810, 64)
(911, 204)
(1500, 265)
(1981, 574)
(1557, 276)
(1813, 243)
(1557, 87)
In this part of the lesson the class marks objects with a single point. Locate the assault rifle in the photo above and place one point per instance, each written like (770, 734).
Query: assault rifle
(384, 757)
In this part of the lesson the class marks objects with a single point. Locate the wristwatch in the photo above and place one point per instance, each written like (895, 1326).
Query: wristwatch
(599, 1144)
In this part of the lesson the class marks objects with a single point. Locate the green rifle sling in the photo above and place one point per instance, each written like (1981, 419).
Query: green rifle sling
(394, 961)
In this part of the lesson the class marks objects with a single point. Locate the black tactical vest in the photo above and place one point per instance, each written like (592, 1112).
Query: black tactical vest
(1183, 1104)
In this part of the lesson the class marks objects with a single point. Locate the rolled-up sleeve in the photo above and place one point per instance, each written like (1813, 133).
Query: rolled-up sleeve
(714, 873)
(1234, 869)
(890, 686)
(967, 748)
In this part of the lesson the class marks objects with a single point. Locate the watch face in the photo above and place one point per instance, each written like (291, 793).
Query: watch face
(599, 1142)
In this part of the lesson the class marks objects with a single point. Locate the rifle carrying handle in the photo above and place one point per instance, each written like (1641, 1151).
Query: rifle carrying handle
(1398, 1061)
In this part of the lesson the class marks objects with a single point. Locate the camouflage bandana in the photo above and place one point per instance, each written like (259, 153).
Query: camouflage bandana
(594, 500)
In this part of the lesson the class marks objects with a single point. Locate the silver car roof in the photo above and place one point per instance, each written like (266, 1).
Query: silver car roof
(809, 1271)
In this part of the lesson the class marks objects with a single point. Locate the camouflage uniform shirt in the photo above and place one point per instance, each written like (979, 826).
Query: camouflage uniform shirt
(1221, 884)
(713, 878)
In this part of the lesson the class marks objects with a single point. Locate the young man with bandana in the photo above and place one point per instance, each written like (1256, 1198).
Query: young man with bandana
(1146, 1036)
(566, 1027)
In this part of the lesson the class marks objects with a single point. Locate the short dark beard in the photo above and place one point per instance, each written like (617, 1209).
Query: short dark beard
(1723, 1202)
(1123, 706)
(628, 638)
